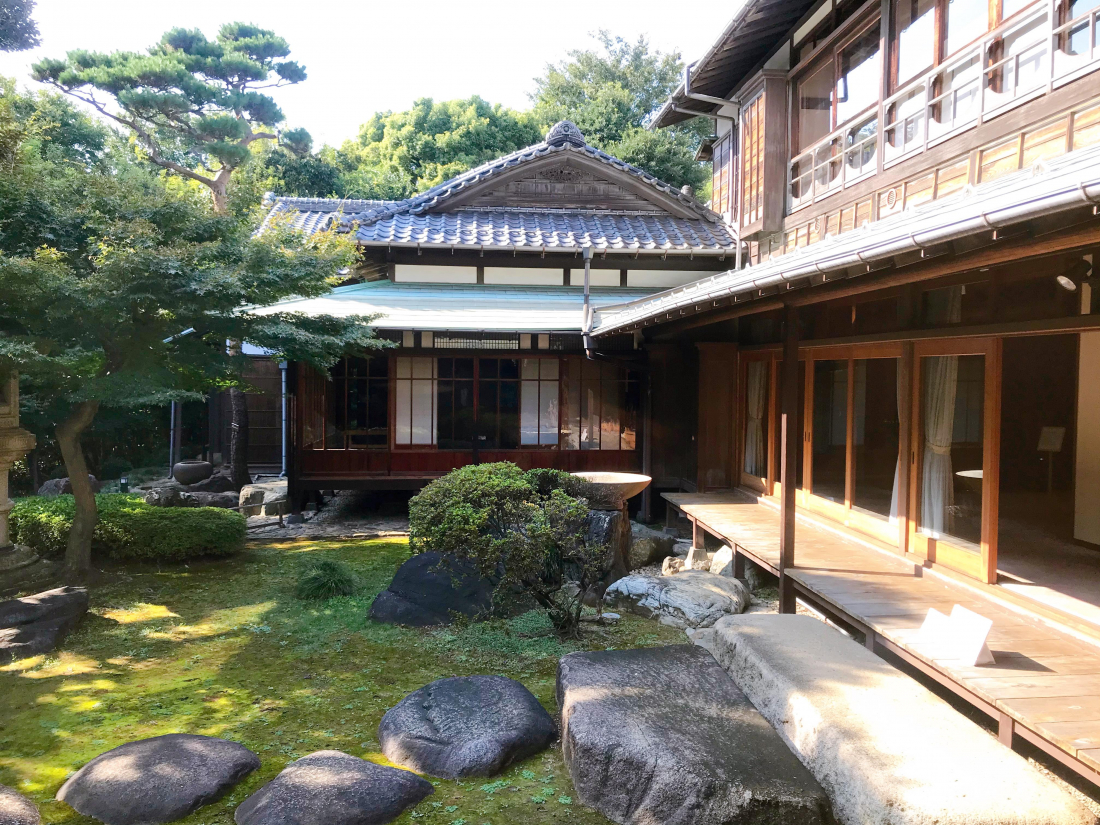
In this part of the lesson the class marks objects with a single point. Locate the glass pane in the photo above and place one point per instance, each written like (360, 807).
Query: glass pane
(487, 414)
(509, 415)
(335, 396)
(815, 107)
(1010, 7)
(403, 425)
(464, 368)
(630, 415)
(916, 37)
(487, 368)
(378, 417)
(423, 410)
(857, 87)
(445, 418)
(952, 415)
(756, 419)
(530, 367)
(611, 405)
(548, 368)
(876, 424)
(509, 368)
(571, 408)
(379, 366)
(548, 409)
(590, 413)
(423, 367)
(463, 412)
(967, 20)
(529, 412)
(830, 429)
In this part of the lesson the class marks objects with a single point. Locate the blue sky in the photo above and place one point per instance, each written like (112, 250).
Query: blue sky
(364, 57)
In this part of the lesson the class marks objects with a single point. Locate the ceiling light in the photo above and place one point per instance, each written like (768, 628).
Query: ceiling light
(1066, 284)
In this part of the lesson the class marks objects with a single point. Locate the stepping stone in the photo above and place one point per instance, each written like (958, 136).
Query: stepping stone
(425, 593)
(155, 780)
(333, 788)
(691, 598)
(465, 726)
(886, 749)
(39, 623)
(16, 809)
(663, 735)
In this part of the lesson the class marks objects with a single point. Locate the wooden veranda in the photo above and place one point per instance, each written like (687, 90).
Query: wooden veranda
(1045, 684)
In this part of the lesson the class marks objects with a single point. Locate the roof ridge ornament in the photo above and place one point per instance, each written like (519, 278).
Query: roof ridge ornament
(563, 132)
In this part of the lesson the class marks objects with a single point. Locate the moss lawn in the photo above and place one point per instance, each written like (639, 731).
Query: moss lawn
(224, 648)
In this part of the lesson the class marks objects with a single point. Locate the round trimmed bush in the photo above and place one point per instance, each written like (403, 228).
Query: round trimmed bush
(128, 528)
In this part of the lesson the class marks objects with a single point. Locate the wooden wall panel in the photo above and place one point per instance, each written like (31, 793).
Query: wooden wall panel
(717, 416)
(673, 417)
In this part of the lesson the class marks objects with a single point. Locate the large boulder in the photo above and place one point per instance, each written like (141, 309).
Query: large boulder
(333, 788)
(157, 780)
(648, 546)
(691, 598)
(663, 735)
(62, 486)
(429, 589)
(266, 498)
(224, 500)
(219, 482)
(180, 497)
(886, 749)
(16, 809)
(38, 624)
(465, 726)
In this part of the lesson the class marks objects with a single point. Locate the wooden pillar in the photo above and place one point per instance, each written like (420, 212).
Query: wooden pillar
(789, 433)
(647, 446)
(293, 439)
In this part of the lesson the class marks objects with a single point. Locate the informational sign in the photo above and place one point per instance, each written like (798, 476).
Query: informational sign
(962, 636)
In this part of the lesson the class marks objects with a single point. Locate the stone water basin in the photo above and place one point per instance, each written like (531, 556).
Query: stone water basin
(617, 487)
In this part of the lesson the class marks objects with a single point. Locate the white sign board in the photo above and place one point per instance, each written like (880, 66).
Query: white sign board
(961, 636)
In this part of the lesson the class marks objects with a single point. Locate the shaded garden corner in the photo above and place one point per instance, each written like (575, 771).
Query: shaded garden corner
(225, 648)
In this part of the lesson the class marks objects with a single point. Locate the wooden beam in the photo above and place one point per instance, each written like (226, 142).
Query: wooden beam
(790, 434)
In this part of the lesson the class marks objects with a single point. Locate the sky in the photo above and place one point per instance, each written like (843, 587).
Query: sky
(368, 56)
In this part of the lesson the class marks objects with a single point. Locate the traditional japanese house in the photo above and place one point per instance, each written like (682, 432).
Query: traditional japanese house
(910, 357)
(486, 285)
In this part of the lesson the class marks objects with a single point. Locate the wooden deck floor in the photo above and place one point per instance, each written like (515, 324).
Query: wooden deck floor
(1045, 685)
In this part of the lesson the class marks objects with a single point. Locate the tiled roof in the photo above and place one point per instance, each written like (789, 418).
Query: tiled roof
(550, 229)
(316, 214)
(420, 221)
(465, 307)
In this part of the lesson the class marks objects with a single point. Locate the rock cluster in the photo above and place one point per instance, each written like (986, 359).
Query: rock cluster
(39, 623)
(465, 726)
(691, 598)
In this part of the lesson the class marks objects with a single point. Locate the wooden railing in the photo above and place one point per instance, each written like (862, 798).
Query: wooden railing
(1016, 62)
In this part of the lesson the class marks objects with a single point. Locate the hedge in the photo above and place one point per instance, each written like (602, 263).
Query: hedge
(128, 528)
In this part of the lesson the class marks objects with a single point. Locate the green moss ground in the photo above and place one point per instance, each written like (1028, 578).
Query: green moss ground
(224, 648)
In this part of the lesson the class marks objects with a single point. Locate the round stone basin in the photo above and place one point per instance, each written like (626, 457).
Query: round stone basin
(617, 486)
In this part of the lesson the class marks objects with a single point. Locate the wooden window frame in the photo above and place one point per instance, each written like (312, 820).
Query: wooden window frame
(980, 562)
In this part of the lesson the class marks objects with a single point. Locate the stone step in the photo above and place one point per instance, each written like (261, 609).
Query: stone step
(663, 735)
(886, 749)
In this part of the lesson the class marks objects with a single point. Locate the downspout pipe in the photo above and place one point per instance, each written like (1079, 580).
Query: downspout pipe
(586, 317)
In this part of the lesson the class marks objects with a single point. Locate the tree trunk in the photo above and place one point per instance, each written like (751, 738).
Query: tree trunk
(78, 552)
(238, 439)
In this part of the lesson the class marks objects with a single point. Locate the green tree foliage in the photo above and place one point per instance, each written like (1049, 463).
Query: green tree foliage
(525, 530)
(18, 31)
(193, 104)
(611, 93)
(121, 292)
(398, 154)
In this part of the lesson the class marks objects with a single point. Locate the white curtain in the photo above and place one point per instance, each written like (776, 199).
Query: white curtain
(940, 381)
(756, 403)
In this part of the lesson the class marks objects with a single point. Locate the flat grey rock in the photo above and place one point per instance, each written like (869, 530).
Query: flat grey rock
(429, 590)
(663, 735)
(333, 788)
(62, 486)
(16, 809)
(465, 726)
(156, 780)
(690, 598)
(886, 749)
(38, 624)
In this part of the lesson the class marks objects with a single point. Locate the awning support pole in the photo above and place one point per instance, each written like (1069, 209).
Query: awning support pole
(789, 433)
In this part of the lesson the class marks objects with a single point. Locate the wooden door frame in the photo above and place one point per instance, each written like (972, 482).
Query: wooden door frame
(982, 564)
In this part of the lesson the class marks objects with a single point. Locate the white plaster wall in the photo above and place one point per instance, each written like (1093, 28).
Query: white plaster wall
(663, 277)
(529, 276)
(596, 277)
(1086, 519)
(414, 273)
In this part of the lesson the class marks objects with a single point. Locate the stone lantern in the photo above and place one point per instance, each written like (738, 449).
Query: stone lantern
(14, 444)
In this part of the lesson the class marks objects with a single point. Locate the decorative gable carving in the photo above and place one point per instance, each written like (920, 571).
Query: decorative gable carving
(564, 173)
(563, 186)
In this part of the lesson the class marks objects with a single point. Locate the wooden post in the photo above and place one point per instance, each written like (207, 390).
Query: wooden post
(790, 434)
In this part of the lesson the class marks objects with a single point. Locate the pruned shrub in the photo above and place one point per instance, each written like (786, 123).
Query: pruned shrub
(325, 579)
(523, 530)
(129, 529)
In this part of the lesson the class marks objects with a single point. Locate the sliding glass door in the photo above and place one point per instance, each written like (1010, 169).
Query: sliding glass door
(955, 454)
